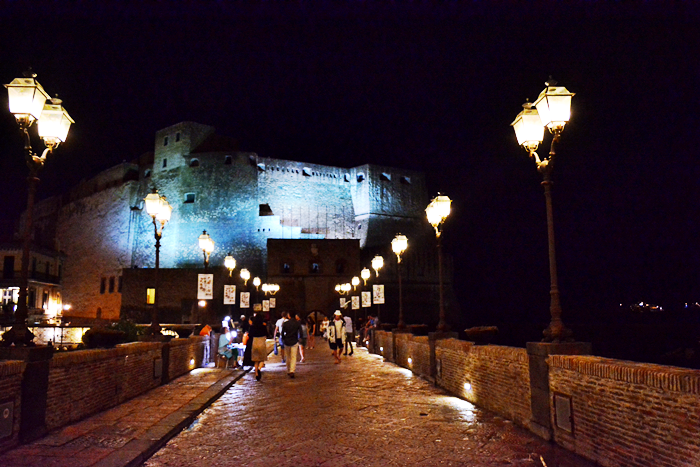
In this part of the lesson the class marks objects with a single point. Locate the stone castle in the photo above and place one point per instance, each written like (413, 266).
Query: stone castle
(100, 229)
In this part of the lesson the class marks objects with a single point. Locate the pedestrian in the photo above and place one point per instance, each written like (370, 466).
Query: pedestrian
(248, 342)
(324, 328)
(349, 336)
(258, 335)
(290, 336)
(278, 333)
(303, 337)
(336, 335)
(311, 327)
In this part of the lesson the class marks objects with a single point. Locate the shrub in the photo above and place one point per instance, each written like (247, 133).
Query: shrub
(103, 337)
(129, 328)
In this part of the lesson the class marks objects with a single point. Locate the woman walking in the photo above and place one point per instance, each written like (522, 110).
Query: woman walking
(258, 334)
(336, 335)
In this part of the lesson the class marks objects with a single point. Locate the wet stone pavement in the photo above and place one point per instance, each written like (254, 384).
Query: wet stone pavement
(362, 412)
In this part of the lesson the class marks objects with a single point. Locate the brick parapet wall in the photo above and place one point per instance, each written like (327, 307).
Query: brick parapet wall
(627, 413)
(384, 344)
(186, 355)
(417, 348)
(11, 372)
(494, 377)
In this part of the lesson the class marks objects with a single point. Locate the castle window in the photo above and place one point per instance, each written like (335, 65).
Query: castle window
(194, 163)
(340, 266)
(406, 180)
(346, 177)
(228, 160)
(177, 136)
(306, 171)
(385, 177)
(150, 296)
(111, 284)
(119, 284)
(103, 285)
(165, 163)
(189, 198)
(165, 141)
(261, 167)
(360, 177)
(265, 210)
(286, 268)
(315, 268)
(147, 174)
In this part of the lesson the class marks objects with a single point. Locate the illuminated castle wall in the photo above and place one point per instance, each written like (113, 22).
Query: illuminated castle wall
(239, 198)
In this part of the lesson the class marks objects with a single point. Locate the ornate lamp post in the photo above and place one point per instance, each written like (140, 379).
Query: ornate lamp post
(398, 246)
(207, 246)
(28, 103)
(230, 264)
(365, 274)
(437, 211)
(159, 209)
(552, 110)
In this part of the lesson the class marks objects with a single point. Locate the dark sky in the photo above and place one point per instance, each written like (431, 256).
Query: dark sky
(420, 85)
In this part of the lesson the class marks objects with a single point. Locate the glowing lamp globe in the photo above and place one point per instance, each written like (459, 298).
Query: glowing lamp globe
(230, 262)
(399, 245)
(256, 282)
(206, 243)
(554, 106)
(345, 287)
(54, 123)
(153, 202)
(528, 127)
(245, 275)
(27, 98)
(163, 214)
(355, 282)
(365, 274)
(377, 264)
(438, 210)
(337, 288)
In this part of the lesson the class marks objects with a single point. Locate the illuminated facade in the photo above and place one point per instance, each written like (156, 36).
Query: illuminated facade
(240, 198)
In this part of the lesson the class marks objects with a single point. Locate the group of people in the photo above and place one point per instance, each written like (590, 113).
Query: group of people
(292, 337)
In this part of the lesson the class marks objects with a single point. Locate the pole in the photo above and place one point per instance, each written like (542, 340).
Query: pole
(556, 331)
(401, 324)
(442, 324)
(155, 325)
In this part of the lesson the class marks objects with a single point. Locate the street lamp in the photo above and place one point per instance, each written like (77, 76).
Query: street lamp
(27, 101)
(245, 275)
(355, 282)
(365, 274)
(207, 246)
(437, 211)
(256, 283)
(159, 209)
(377, 264)
(398, 246)
(552, 110)
(230, 264)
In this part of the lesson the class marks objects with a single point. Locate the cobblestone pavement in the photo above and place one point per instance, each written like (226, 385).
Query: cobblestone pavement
(363, 412)
(127, 434)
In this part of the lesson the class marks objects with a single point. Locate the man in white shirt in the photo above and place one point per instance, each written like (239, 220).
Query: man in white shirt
(278, 332)
(349, 335)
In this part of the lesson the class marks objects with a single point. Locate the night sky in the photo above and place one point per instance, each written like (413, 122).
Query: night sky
(421, 85)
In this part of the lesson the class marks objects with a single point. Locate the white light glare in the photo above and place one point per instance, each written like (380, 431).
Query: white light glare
(381, 349)
(467, 386)
(410, 360)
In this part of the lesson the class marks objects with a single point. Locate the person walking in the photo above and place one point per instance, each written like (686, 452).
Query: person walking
(349, 335)
(258, 334)
(291, 329)
(303, 337)
(278, 333)
(336, 335)
(311, 327)
(226, 348)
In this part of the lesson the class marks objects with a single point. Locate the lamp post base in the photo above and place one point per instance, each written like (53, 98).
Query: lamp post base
(19, 336)
(556, 333)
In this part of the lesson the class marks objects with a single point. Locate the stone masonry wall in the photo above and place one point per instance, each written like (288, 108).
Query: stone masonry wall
(11, 391)
(494, 377)
(628, 414)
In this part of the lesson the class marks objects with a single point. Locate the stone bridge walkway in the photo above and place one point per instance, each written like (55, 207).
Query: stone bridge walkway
(362, 412)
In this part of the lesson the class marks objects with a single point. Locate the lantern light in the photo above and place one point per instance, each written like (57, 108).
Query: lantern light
(554, 106)
(206, 243)
(230, 263)
(377, 264)
(365, 274)
(437, 211)
(27, 99)
(528, 127)
(54, 123)
(245, 275)
(399, 245)
(355, 282)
